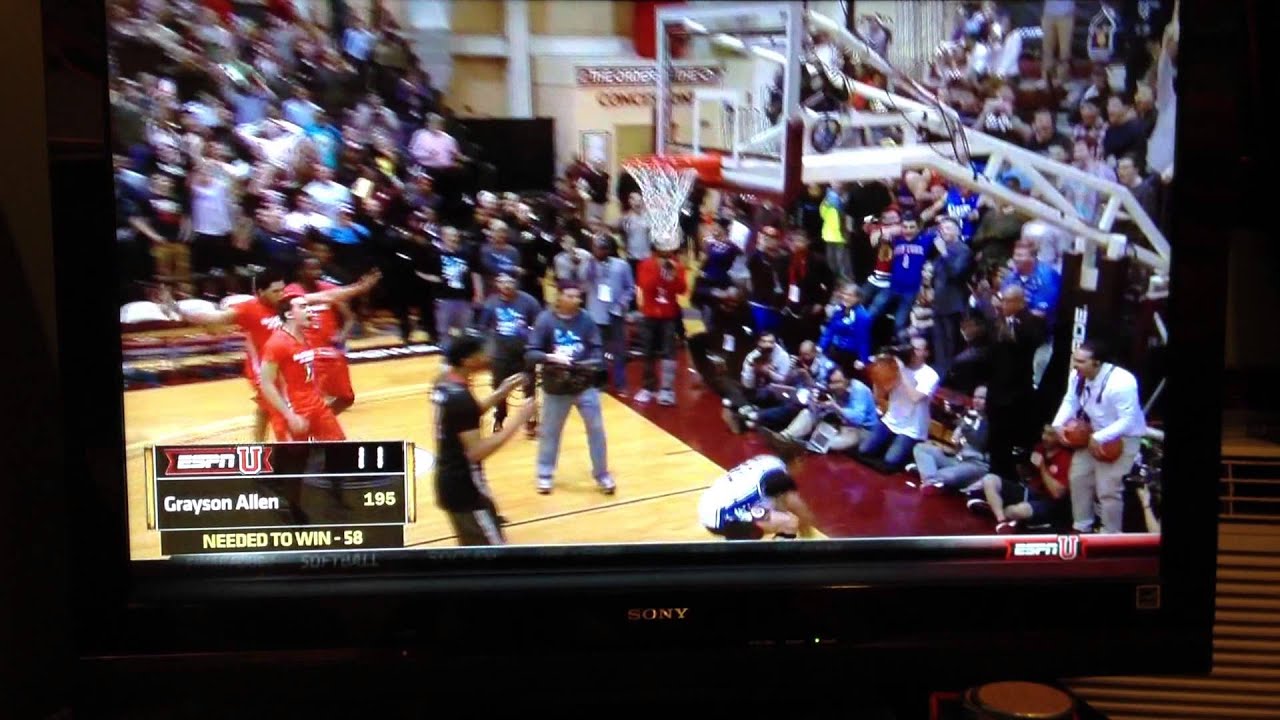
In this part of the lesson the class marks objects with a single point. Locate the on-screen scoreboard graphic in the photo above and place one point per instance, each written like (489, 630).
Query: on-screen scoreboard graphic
(283, 497)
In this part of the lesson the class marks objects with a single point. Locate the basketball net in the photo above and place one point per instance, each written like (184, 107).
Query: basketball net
(664, 189)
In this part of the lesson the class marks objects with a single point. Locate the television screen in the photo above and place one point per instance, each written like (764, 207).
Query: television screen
(917, 313)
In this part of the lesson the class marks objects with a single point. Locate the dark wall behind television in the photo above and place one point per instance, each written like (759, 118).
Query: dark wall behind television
(35, 625)
(522, 153)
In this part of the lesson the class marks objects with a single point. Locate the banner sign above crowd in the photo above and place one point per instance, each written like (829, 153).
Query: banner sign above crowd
(647, 75)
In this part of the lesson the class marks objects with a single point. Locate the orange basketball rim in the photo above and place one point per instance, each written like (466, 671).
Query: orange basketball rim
(707, 165)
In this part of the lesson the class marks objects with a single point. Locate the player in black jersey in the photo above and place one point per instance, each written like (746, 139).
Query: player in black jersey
(461, 488)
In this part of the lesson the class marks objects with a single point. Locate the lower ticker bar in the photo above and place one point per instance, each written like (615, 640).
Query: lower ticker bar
(277, 540)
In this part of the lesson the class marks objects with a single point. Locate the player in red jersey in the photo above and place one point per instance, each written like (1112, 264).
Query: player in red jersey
(289, 381)
(327, 334)
(258, 318)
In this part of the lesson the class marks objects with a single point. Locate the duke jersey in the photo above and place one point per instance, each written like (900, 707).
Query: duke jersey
(959, 205)
(731, 497)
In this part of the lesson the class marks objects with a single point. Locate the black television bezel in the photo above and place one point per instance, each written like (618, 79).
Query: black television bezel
(119, 614)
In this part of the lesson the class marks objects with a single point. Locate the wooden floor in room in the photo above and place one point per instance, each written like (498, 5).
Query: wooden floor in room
(659, 477)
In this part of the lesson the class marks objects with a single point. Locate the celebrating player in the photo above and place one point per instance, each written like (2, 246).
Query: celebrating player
(327, 335)
(756, 498)
(288, 380)
(461, 489)
(258, 319)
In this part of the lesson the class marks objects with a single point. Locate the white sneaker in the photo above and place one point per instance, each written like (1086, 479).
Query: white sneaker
(911, 467)
(643, 397)
(725, 402)
(544, 485)
(667, 397)
(606, 484)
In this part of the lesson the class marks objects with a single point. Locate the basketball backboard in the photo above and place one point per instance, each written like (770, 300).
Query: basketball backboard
(753, 52)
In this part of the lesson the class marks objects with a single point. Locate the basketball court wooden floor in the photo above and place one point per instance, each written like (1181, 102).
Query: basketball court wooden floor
(659, 477)
(662, 458)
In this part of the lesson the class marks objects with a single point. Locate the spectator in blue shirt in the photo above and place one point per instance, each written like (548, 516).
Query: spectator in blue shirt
(299, 109)
(1041, 283)
(847, 337)
(910, 255)
(326, 139)
(961, 204)
(346, 231)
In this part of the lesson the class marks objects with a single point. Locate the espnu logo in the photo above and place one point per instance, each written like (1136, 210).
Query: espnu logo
(243, 460)
(1064, 547)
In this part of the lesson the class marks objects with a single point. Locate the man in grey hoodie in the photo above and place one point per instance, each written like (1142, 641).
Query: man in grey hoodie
(607, 301)
(506, 319)
(566, 344)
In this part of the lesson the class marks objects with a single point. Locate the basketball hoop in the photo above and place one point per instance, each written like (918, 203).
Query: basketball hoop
(665, 183)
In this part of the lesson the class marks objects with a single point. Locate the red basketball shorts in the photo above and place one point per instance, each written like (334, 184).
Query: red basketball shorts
(334, 377)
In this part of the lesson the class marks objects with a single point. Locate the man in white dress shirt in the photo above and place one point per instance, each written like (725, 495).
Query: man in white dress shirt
(1107, 396)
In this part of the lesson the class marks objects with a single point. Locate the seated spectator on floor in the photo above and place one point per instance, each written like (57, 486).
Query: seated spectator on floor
(964, 463)
(764, 368)
(1041, 497)
(846, 339)
(906, 419)
(846, 408)
(810, 370)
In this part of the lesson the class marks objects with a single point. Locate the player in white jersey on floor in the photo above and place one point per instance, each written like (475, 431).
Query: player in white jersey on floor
(756, 498)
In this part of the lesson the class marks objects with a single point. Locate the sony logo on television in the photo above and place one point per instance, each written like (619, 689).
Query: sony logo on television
(1066, 547)
(638, 614)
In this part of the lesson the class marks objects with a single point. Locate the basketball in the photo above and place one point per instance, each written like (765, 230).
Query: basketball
(1109, 452)
(1077, 432)
(884, 372)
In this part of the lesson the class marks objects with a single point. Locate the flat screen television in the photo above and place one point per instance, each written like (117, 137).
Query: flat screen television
(263, 463)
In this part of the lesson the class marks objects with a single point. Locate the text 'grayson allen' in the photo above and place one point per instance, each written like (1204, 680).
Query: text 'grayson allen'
(195, 506)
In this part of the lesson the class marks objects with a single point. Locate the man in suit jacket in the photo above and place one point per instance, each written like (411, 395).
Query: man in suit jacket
(951, 268)
(1011, 393)
(809, 284)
